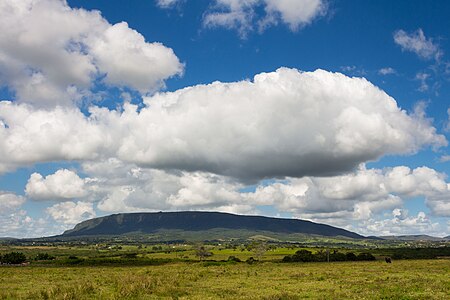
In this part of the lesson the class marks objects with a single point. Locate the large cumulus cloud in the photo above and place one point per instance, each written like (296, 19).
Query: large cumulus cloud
(284, 123)
(51, 53)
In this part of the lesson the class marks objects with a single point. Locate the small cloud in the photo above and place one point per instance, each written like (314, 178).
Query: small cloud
(417, 42)
(348, 68)
(244, 16)
(168, 4)
(353, 70)
(387, 71)
(447, 125)
(422, 77)
(444, 158)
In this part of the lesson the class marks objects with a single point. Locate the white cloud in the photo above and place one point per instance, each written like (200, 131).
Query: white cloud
(30, 135)
(359, 195)
(71, 213)
(401, 224)
(422, 78)
(166, 4)
(127, 60)
(417, 42)
(295, 13)
(51, 54)
(242, 16)
(447, 125)
(124, 187)
(15, 221)
(444, 158)
(387, 71)
(272, 126)
(62, 185)
(10, 202)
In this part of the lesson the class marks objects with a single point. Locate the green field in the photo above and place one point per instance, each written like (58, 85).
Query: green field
(407, 279)
(174, 272)
(164, 271)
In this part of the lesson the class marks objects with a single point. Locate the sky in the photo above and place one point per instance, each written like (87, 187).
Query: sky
(326, 110)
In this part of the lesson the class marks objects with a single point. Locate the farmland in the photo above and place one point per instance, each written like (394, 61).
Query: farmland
(174, 271)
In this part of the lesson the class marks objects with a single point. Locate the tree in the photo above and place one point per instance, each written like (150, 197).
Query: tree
(13, 258)
(350, 256)
(303, 255)
(259, 249)
(44, 256)
(365, 256)
(201, 252)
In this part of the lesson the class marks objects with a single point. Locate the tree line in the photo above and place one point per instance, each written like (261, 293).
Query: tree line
(322, 255)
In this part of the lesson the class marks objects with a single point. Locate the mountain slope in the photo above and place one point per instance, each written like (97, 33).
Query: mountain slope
(199, 221)
(417, 237)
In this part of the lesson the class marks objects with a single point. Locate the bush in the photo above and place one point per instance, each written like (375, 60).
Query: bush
(44, 256)
(365, 256)
(350, 256)
(234, 258)
(250, 260)
(303, 256)
(13, 258)
(321, 256)
(337, 256)
(129, 255)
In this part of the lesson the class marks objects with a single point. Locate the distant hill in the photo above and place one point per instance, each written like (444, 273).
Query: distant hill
(7, 238)
(419, 237)
(191, 221)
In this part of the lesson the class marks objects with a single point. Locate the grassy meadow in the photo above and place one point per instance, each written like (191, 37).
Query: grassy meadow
(175, 273)
(406, 279)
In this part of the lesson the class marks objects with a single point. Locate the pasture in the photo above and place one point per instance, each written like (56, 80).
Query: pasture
(179, 275)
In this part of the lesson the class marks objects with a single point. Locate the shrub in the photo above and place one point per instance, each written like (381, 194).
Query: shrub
(129, 255)
(337, 256)
(44, 256)
(365, 256)
(234, 258)
(350, 256)
(322, 256)
(13, 258)
(303, 255)
(250, 260)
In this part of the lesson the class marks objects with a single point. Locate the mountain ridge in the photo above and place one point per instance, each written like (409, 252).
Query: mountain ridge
(150, 222)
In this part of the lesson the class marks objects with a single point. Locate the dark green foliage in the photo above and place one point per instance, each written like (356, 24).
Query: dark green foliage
(322, 256)
(418, 253)
(287, 258)
(303, 256)
(44, 256)
(129, 255)
(13, 258)
(234, 258)
(337, 256)
(250, 260)
(365, 256)
(350, 256)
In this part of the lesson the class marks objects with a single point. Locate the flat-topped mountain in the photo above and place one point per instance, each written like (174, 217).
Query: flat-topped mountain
(149, 223)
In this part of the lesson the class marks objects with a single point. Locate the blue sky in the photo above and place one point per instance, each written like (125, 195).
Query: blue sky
(332, 111)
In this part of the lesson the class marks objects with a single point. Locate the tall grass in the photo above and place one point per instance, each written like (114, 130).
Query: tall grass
(409, 279)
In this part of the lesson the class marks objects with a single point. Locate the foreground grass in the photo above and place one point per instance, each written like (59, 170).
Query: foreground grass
(408, 279)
